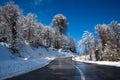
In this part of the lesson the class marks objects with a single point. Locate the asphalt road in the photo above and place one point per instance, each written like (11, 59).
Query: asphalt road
(99, 72)
(59, 69)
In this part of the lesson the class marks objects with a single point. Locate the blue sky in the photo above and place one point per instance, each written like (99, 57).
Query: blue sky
(81, 14)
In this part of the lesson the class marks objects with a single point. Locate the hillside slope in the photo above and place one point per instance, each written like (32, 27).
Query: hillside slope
(31, 59)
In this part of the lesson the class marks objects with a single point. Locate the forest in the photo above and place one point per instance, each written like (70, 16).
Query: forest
(104, 45)
(16, 29)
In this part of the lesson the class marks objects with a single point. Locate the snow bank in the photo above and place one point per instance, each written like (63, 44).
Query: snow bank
(109, 63)
(83, 57)
(38, 52)
(66, 53)
(31, 59)
(4, 52)
(16, 67)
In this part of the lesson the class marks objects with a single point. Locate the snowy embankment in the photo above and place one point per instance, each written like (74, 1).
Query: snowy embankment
(32, 59)
(13, 68)
(109, 63)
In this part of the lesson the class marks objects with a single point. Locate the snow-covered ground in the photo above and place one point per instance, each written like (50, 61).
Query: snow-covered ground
(16, 67)
(32, 59)
(109, 63)
(66, 53)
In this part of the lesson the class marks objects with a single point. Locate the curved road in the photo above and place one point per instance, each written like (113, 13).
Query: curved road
(60, 69)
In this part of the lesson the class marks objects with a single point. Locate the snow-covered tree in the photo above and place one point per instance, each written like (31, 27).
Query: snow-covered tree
(109, 37)
(29, 26)
(60, 23)
(86, 43)
(52, 37)
(104, 33)
(72, 46)
(57, 40)
(39, 35)
(115, 29)
(50, 33)
(105, 45)
(9, 14)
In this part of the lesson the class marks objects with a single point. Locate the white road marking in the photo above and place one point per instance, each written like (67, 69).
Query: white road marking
(81, 73)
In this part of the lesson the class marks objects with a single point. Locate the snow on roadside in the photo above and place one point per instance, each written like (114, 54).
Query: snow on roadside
(16, 67)
(66, 53)
(31, 59)
(5, 54)
(109, 63)
(30, 52)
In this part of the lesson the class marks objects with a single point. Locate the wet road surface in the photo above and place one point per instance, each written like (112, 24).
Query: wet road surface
(62, 70)
(99, 72)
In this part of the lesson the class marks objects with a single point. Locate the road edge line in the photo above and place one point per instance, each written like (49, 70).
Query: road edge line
(81, 73)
